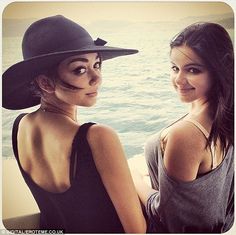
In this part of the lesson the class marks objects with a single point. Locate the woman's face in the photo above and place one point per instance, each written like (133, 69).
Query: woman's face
(189, 75)
(79, 78)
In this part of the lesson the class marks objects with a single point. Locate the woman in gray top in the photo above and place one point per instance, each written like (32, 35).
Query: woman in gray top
(190, 162)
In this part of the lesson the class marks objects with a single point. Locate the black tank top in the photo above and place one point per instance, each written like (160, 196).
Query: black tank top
(83, 208)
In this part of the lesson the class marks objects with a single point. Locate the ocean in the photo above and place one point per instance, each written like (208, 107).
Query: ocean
(136, 99)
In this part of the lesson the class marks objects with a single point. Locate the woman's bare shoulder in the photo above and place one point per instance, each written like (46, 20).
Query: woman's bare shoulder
(184, 151)
(106, 147)
(186, 133)
(26, 122)
(101, 133)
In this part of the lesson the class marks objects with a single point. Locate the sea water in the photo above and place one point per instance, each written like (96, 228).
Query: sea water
(136, 98)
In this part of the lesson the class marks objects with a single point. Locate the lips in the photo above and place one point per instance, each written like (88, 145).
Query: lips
(92, 94)
(184, 90)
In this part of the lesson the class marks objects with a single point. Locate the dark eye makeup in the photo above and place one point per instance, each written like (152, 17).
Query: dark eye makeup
(79, 70)
(194, 70)
(174, 68)
(82, 69)
(98, 65)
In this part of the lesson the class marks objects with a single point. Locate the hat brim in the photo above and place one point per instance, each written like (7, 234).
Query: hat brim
(16, 79)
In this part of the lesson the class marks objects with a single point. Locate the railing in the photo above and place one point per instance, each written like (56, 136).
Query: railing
(26, 222)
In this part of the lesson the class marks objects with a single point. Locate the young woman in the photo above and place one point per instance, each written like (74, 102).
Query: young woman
(190, 162)
(77, 173)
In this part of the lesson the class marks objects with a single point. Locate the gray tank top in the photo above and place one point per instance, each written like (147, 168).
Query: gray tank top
(204, 205)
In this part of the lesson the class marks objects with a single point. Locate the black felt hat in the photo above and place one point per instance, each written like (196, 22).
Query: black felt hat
(46, 43)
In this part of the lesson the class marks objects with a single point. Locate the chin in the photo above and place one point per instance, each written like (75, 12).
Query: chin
(88, 104)
(185, 100)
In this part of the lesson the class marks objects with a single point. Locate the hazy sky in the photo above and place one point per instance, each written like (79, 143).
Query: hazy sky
(88, 11)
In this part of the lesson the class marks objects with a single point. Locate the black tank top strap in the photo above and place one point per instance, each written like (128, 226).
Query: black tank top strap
(81, 136)
(80, 147)
(14, 134)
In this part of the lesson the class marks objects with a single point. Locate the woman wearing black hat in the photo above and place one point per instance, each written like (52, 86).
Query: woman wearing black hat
(191, 162)
(77, 173)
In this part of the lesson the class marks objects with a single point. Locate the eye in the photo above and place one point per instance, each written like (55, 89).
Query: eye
(79, 70)
(194, 70)
(98, 65)
(175, 68)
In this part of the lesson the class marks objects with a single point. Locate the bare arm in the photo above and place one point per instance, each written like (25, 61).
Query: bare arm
(182, 158)
(139, 172)
(183, 152)
(142, 187)
(113, 169)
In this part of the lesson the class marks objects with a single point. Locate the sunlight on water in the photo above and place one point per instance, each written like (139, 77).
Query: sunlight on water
(136, 99)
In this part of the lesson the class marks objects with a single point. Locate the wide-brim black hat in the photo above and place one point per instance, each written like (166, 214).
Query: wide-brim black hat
(46, 43)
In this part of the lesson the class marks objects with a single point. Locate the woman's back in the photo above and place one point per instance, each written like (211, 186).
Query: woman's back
(76, 202)
(44, 145)
(74, 171)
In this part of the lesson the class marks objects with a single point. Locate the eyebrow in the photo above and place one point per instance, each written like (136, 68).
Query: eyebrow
(192, 64)
(81, 59)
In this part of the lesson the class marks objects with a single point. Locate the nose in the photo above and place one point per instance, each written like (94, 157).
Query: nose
(95, 77)
(180, 78)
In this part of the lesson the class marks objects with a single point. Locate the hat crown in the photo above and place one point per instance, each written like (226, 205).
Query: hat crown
(54, 35)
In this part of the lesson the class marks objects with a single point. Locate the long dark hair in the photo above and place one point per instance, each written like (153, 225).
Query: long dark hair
(213, 45)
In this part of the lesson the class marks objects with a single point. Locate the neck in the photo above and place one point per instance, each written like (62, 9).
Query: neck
(66, 110)
(200, 109)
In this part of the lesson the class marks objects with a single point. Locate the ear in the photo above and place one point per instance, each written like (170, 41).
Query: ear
(45, 83)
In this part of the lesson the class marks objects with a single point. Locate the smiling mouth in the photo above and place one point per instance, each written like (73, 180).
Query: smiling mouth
(185, 90)
(92, 94)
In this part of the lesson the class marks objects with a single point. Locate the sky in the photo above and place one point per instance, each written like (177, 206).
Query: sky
(89, 11)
